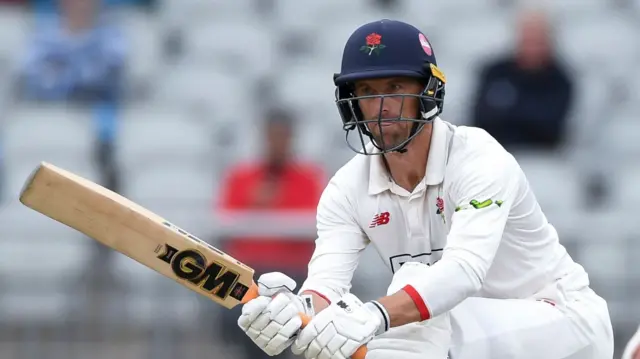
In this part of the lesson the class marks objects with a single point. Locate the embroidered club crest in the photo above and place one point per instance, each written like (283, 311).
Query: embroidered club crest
(440, 208)
(373, 44)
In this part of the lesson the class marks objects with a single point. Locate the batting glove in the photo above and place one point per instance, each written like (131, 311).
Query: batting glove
(273, 319)
(632, 349)
(340, 329)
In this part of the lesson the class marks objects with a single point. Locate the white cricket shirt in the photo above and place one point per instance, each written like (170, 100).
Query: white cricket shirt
(473, 220)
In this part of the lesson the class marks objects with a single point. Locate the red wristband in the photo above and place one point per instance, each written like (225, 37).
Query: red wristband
(417, 300)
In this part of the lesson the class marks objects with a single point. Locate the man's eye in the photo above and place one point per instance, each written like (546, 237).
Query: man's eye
(365, 92)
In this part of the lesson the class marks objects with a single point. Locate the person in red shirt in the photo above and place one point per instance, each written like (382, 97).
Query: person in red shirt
(269, 195)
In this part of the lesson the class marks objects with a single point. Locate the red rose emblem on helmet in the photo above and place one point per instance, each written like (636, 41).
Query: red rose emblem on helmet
(374, 39)
(373, 43)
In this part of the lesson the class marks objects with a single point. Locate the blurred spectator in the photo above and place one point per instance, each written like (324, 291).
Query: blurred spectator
(76, 54)
(389, 5)
(524, 100)
(275, 183)
(44, 6)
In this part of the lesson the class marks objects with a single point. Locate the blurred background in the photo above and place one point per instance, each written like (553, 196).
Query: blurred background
(219, 116)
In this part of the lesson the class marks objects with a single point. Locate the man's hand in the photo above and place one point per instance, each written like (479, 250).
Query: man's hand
(272, 319)
(340, 329)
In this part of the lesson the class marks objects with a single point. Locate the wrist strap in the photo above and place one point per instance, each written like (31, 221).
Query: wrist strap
(384, 315)
(307, 303)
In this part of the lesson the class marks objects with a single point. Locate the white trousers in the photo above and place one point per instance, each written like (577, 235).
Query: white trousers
(578, 327)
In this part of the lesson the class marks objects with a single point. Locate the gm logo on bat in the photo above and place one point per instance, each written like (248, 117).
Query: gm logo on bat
(191, 265)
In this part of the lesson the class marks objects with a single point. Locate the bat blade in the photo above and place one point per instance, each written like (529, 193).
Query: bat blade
(138, 233)
(142, 235)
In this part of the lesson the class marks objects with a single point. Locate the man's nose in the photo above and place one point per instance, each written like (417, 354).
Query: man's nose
(382, 105)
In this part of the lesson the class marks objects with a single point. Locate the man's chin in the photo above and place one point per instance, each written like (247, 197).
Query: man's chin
(388, 145)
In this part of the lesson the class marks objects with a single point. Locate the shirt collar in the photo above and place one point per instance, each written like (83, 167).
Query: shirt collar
(379, 179)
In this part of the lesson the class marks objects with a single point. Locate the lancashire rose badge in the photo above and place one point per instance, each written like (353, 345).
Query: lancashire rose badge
(373, 44)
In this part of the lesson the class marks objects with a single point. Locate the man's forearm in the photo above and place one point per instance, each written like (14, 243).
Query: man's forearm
(401, 309)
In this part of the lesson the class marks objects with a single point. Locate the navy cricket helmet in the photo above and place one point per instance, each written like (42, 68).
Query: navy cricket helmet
(382, 49)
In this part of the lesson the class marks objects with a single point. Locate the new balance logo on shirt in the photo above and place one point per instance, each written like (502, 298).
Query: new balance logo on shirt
(380, 219)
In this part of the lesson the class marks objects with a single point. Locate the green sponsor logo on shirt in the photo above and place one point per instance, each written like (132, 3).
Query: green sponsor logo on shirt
(478, 204)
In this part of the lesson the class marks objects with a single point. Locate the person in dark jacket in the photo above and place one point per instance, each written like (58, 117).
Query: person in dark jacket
(524, 100)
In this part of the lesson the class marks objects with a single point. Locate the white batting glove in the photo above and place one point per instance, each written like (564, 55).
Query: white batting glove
(272, 319)
(340, 329)
(632, 349)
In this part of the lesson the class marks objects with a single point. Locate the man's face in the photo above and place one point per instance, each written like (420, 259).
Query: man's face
(79, 13)
(278, 138)
(534, 47)
(388, 134)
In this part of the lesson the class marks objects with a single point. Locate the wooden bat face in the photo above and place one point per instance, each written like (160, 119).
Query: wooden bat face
(142, 235)
(138, 233)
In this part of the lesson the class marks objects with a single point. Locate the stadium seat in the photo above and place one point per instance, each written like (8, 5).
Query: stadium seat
(45, 262)
(307, 87)
(43, 307)
(619, 139)
(603, 236)
(25, 226)
(48, 256)
(209, 92)
(61, 136)
(14, 39)
(473, 38)
(18, 169)
(459, 90)
(190, 11)
(143, 34)
(162, 135)
(179, 306)
(543, 172)
(589, 110)
(566, 8)
(170, 182)
(245, 48)
(625, 185)
(589, 41)
(40, 129)
(299, 15)
(427, 13)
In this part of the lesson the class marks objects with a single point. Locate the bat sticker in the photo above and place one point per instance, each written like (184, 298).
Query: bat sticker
(192, 266)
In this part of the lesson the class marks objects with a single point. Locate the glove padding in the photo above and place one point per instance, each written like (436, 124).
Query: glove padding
(272, 319)
(339, 330)
(632, 349)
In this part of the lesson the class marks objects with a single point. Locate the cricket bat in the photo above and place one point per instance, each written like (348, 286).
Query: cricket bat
(142, 235)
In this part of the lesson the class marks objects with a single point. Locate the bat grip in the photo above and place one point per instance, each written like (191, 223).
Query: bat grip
(252, 293)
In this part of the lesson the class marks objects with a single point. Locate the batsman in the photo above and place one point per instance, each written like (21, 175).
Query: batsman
(478, 271)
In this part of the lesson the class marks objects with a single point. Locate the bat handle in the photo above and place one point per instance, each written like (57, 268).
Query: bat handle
(252, 293)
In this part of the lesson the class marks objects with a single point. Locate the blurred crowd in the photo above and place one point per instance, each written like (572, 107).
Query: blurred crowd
(268, 147)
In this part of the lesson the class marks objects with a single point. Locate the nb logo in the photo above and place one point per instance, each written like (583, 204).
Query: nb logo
(344, 306)
(380, 219)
